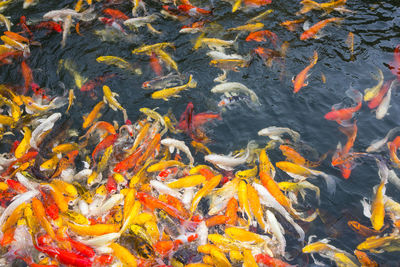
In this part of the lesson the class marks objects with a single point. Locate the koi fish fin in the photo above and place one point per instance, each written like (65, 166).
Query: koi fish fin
(306, 25)
(354, 94)
(366, 208)
(330, 183)
(293, 79)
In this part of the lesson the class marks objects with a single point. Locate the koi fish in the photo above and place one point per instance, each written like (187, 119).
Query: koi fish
(384, 106)
(362, 229)
(235, 87)
(337, 159)
(371, 93)
(93, 115)
(363, 258)
(393, 146)
(189, 121)
(298, 82)
(109, 98)
(377, 100)
(328, 7)
(345, 114)
(193, 11)
(248, 27)
(166, 93)
(291, 25)
(116, 61)
(313, 30)
(228, 163)
(135, 23)
(164, 81)
(195, 27)
(155, 64)
(28, 76)
(113, 24)
(394, 66)
(275, 133)
(259, 36)
(115, 14)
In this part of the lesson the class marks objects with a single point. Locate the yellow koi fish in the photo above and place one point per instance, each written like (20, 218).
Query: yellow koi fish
(109, 98)
(173, 91)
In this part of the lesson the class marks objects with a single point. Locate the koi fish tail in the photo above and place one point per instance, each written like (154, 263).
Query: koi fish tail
(355, 95)
(330, 183)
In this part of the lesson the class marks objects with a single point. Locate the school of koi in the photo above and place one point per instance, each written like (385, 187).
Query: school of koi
(131, 195)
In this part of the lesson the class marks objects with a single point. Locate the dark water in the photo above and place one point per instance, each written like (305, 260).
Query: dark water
(376, 28)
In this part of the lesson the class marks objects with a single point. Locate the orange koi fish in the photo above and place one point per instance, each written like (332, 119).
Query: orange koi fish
(155, 64)
(100, 126)
(28, 76)
(269, 183)
(106, 142)
(115, 14)
(154, 203)
(313, 30)
(364, 259)
(393, 146)
(291, 25)
(362, 229)
(351, 133)
(379, 97)
(298, 82)
(293, 156)
(345, 114)
(257, 3)
(193, 11)
(267, 260)
(129, 162)
(328, 7)
(259, 36)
